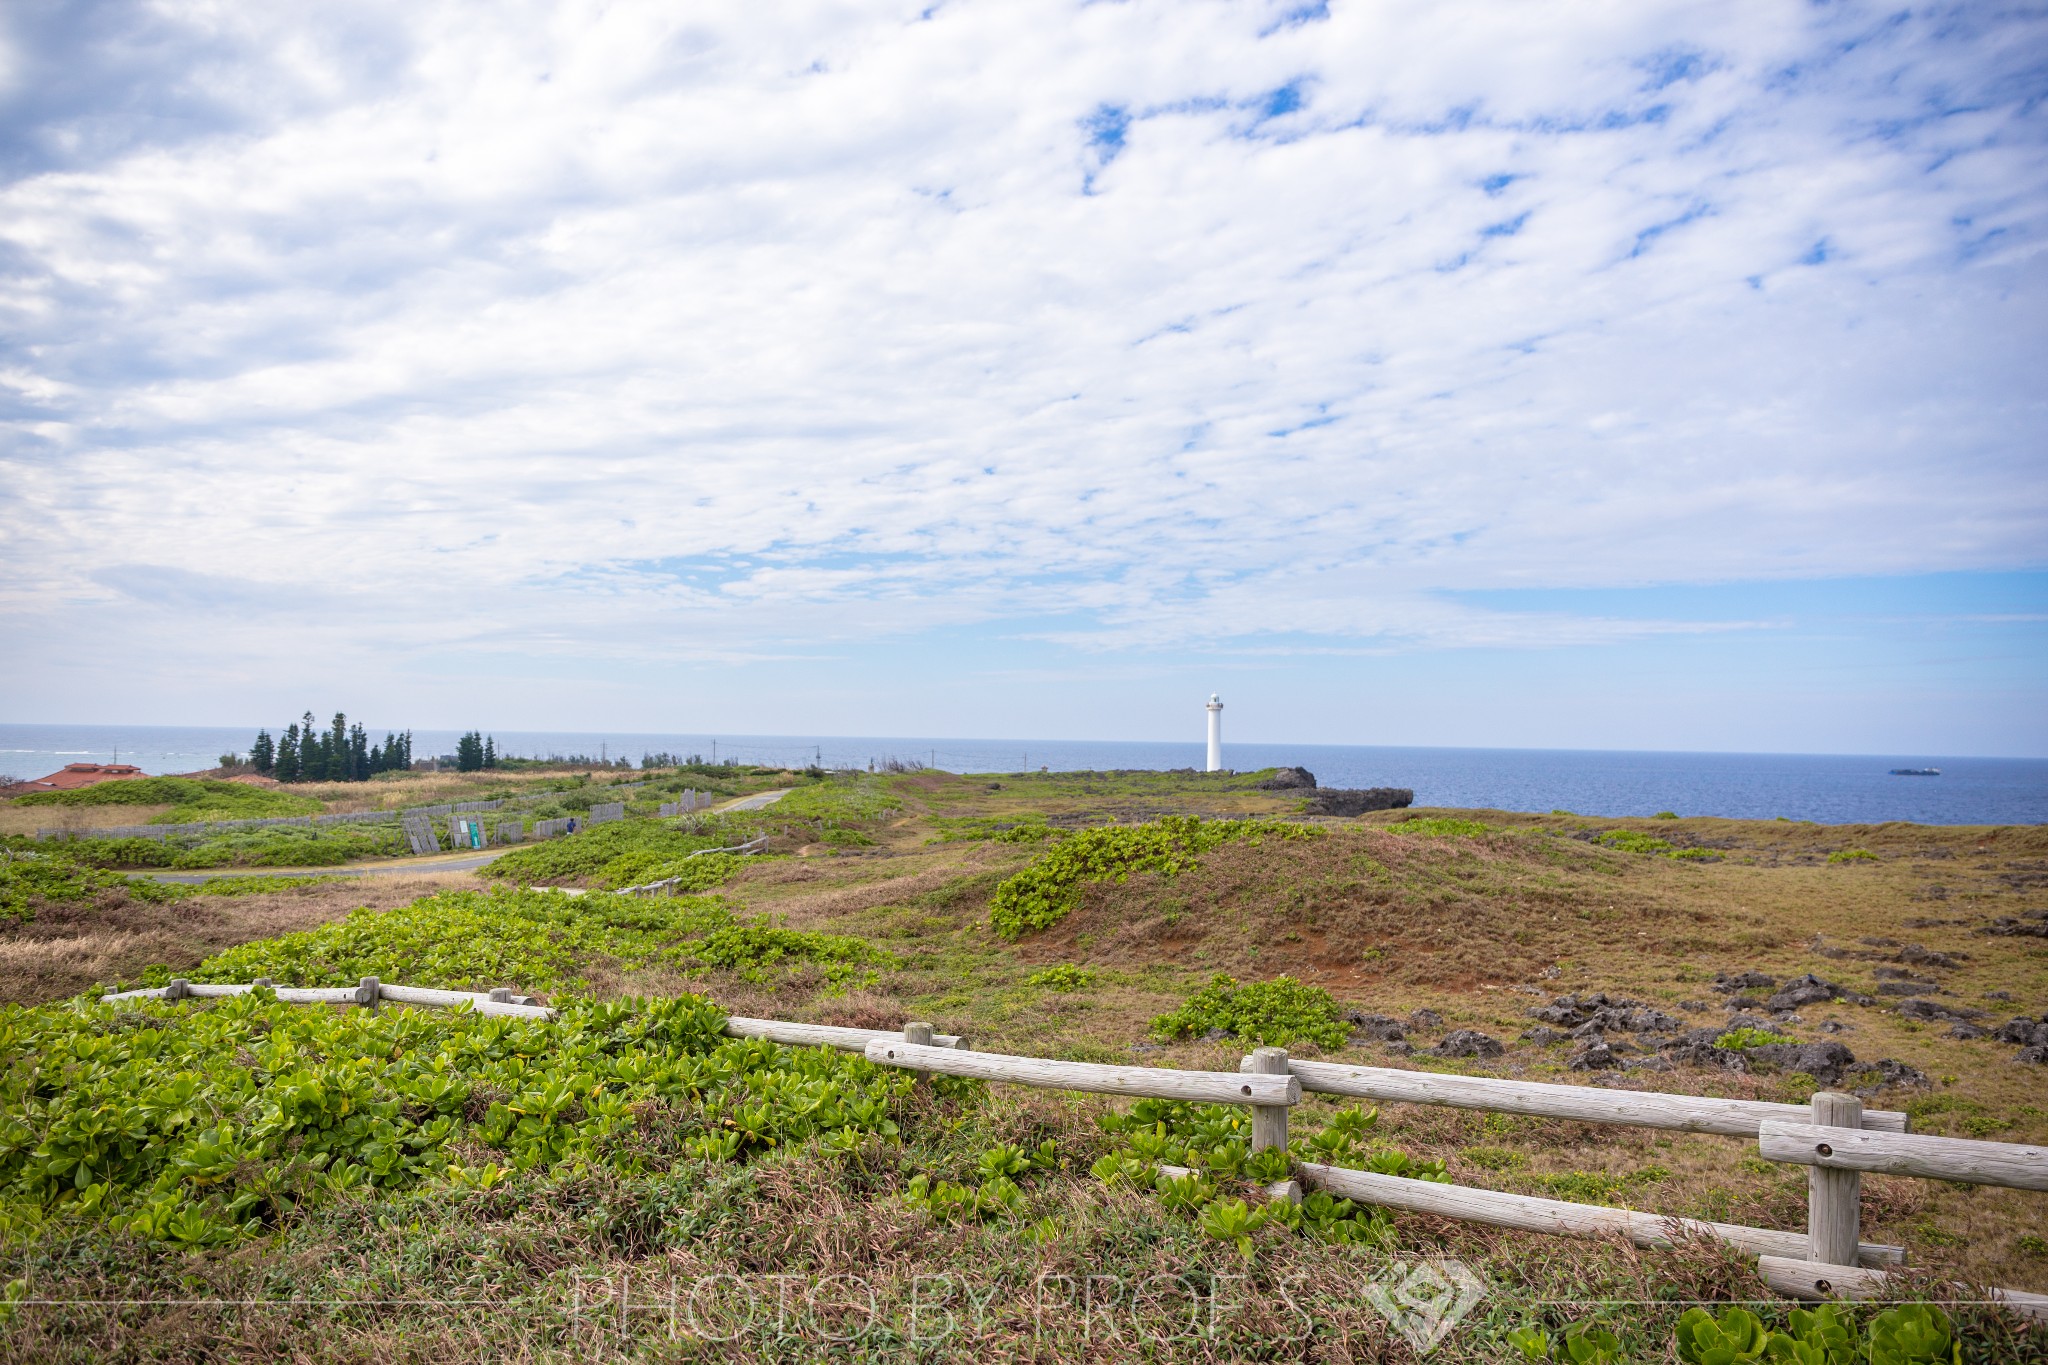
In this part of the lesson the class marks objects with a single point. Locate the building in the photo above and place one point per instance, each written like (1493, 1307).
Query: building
(72, 776)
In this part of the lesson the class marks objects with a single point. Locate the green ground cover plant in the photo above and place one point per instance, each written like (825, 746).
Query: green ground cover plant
(1852, 855)
(1632, 841)
(1743, 1039)
(841, 798)
(1272, 1013)
(534, 939)
(1050, 886)
(27, 878)
(281, 846)
(1440, 827)
(233, 800)
(1064, 977)
(201, 1124)
(1212, 1142)
(622, 853)
(1027, 829)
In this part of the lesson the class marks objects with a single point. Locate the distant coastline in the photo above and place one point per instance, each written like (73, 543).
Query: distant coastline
(1830, 789)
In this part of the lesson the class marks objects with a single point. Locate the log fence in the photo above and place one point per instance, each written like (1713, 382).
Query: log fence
(1834, 1136)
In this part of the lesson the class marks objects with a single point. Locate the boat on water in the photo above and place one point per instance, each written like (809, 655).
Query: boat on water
(1916, 772)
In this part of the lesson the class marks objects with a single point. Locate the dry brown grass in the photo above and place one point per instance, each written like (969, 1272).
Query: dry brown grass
(66, 949)
(19, 819)
(1481, 930)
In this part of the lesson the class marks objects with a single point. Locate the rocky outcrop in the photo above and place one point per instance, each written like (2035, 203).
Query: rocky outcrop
(1803, 990)
(1289, 779)
(1339, 802)
(1467, 1042)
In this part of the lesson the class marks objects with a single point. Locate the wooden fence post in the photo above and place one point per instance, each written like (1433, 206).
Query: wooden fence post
(921, 1034)
(366, 994)
(1269, 1121)
(1834, 1198)
(178, 989)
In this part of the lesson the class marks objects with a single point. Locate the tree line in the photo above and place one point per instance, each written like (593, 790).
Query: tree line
(475, 751)
(339, 753)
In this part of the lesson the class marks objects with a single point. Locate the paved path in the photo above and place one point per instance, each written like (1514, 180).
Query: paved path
(754, 802)
(466, 861)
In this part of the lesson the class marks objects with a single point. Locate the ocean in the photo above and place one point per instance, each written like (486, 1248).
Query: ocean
(1828, 788)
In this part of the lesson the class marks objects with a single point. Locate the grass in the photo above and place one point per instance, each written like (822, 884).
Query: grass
(244, 800)
(1366, 916)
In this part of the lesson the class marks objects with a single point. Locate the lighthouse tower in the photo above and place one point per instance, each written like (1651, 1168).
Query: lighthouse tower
(1215, 733)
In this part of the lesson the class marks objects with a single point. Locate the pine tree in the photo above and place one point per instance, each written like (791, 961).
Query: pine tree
(263, 753)
(490, 751)
(338, 765)
(469, 752)
(311, 766)
(358, 754)
(287, 763)
(405, 752)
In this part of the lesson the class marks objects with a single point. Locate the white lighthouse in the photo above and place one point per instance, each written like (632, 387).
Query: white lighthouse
(1215, 733)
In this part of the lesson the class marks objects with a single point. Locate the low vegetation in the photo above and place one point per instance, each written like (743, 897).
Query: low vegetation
(1260, 1013)
(201, 1125)
(30, 879)
(1042, 894)
(623, 853)
(189, 799)
(278, 846)
(260, 1181)
(542, 940)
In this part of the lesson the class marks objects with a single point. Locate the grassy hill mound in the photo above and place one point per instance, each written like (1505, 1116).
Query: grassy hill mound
(189, 799)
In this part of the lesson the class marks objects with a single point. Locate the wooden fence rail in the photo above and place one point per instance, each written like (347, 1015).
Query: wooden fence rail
(1526, 1213)
(1833, 1137)
(1932, 1158)
(1144, 1082)
(1636, 1108)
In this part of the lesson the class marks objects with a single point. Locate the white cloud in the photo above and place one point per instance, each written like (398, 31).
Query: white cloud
(483, 318)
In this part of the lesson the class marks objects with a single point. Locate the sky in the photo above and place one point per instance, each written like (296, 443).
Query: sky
(1624, 374)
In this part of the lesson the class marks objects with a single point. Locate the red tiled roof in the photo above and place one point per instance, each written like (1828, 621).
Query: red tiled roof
(74, 775)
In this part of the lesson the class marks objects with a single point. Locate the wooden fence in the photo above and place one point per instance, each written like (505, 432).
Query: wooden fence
(1834, 1137)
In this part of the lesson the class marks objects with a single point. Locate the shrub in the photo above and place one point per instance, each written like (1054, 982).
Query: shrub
(1633, 841)
(1046, 890)
(1665, 815)
(751, 949)
(700, 873)
(1852, 855)
(1062, 978)
(1265, 1013)
(1743, 1039)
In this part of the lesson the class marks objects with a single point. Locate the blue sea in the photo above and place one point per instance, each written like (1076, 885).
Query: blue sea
(1829, 788)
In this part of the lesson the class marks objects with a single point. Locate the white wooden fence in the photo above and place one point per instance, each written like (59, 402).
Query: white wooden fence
(667, 885)
(1834, 1137)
